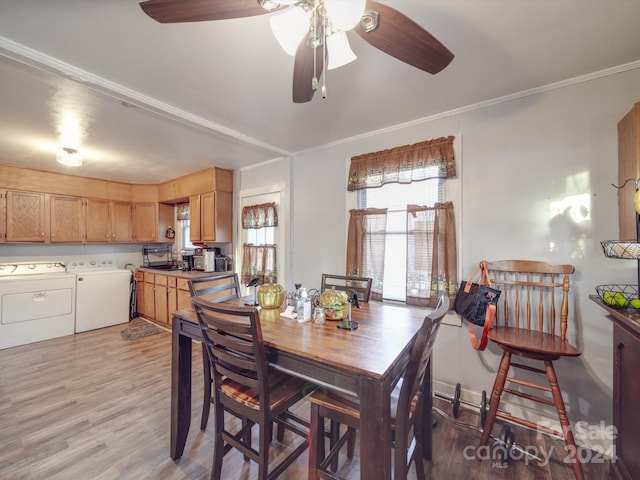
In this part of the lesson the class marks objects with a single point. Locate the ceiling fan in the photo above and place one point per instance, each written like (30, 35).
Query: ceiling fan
(380, 25)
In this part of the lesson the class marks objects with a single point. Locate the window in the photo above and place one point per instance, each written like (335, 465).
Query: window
(395, 197)
(259, 250)
(185, 235)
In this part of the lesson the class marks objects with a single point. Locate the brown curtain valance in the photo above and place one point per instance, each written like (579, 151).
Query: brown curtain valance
(182, 211)
(405, 164)
(259, 216)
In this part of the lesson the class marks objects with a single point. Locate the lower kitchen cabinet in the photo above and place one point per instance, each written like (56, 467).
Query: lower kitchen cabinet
(160, 299)
(184, 294)
(148, 296)
(172, 297)
(159, 296)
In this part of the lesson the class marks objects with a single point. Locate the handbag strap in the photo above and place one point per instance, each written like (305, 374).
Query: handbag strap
(484, 276)
(490, 314)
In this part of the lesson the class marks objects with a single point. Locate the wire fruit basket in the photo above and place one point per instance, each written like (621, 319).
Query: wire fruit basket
(621, 249)
(618, 295)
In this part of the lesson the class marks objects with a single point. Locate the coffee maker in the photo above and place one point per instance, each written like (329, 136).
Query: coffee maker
(187, 260)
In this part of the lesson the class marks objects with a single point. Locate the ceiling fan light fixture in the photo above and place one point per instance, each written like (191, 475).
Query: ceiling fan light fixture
(345, 14)
(69, 157)
(289, 28)
(340, 52)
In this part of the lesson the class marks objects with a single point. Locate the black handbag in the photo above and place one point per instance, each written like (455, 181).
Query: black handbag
(476, 304)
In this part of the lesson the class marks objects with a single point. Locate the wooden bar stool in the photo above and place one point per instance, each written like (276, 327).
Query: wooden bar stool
(531, 324)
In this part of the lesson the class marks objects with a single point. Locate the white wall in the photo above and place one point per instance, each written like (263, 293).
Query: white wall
(520, 158)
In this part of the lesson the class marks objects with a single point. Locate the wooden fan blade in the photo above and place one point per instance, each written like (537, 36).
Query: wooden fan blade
(303, 72)
(402, 38)
(178, 11)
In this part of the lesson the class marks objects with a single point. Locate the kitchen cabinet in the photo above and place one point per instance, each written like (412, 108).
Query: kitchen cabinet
(160, 295)
(3, 215)
(210, 217)
(148, 305)
(172, 297)
(160, 299)
(67, 222)
(184, 294)
(145, 222)
(97, 220)
(628, 168)
(150, 222)
(121, 228)
(26, 216)
(107, 221)
(139, 277)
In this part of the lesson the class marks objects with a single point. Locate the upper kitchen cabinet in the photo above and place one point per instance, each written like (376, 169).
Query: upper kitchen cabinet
(211, 207)
(210, 217)
(628, 168)
(26, 216)
(145, 222)
(151, 221)
(67, 222)
(107, 221)
(3, 215)
(97, 220)
(121, 228)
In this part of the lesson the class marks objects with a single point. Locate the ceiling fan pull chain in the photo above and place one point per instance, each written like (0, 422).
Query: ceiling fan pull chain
(314, 80)
(324, 55)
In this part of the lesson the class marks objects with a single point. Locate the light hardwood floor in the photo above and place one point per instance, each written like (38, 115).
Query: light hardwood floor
(93, 406)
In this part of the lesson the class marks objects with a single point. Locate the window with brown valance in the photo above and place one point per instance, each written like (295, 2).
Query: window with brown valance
(404, 164)
(260, 216)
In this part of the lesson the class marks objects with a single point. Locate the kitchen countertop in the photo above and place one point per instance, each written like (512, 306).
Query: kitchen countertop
(180, 273)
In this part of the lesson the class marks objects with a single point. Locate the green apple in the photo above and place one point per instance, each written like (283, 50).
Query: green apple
(635, 303)
(608, 298)
(621, 300)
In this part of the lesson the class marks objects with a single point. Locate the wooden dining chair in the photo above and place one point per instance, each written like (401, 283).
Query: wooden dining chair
(406, 411)
(531, 324)
(360, 285)
(245, 386)
(215, 288)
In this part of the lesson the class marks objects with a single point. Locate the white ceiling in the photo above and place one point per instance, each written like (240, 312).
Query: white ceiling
(219, 93)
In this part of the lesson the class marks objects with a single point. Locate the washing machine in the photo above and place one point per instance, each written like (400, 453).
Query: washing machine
(102, 294)
(37, 302)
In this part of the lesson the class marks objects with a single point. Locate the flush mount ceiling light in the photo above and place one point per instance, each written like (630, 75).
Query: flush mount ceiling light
(69, 157)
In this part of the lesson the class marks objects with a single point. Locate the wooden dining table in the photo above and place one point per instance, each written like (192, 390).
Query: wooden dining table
(366, 362)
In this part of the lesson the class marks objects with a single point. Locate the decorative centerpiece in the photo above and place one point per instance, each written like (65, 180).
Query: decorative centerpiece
(270, 295)
(335, 304)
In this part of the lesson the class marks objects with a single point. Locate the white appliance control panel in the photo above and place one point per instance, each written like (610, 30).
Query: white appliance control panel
(91, 265)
